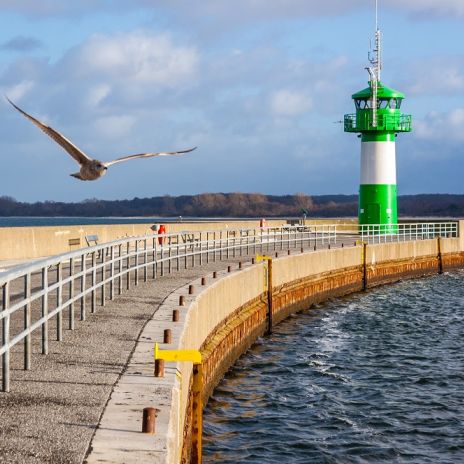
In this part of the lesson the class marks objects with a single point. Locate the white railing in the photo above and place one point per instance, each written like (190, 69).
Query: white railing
(382, 233)
(44, 292)
(35, 295)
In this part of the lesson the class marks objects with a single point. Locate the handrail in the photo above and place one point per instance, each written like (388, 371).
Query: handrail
(48, 287)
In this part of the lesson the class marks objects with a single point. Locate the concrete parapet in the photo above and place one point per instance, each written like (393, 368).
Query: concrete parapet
(35, 242)
(228, 314)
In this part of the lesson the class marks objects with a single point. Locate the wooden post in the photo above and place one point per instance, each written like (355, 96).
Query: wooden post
(364, 265)
(269, 296)
(440, 257)
(197, 425)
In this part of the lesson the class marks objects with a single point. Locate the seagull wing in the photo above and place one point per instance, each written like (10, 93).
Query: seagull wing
(148, 155)
(60, 139)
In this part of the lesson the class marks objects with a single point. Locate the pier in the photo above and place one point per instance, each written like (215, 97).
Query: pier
(79, 328)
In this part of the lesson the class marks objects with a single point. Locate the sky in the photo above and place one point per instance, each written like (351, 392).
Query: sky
(258, 85)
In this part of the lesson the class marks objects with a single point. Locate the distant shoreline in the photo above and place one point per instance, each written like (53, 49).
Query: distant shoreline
(220, 206)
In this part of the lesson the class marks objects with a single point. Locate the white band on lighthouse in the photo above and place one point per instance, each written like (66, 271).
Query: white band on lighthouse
(378, 163)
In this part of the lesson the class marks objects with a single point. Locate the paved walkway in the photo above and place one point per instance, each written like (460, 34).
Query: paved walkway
(52, 411)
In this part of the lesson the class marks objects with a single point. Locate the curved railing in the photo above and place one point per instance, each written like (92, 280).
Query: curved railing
(37, 296)
(35, 293)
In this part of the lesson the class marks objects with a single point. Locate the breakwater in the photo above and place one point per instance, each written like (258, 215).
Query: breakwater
(227, 316)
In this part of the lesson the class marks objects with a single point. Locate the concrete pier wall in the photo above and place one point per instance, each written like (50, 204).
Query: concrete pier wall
(18, 243)
(228, 316)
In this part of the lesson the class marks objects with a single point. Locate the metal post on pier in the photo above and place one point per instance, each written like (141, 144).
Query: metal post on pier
(6, 338)
(268, 289)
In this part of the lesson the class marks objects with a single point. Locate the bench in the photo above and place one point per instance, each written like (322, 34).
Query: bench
(188, 237)
(92, 240)
(74, 242)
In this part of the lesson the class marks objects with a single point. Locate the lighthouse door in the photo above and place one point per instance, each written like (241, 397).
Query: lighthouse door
(373, 213)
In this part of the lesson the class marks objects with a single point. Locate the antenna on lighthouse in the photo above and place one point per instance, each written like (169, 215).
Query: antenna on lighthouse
(375, 59)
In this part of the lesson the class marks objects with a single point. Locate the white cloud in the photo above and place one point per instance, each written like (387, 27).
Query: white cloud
(441, 126)
(136, 57)
(16, 92)
(289, 103)
(239, 11)
(436, 76)
(97, 94)
(252, 10)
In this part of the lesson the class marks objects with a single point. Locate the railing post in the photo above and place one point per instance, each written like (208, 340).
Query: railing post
(27, 322)
(93, 293)
(45, 310)
(162, 260)
(185, 255)
(120, 266)
(220, 246)
(214, 246)
(254, 241)
(241, 243)
(6, 338)
(83, 284)
(71, 294)
(207, 247)
(103, 277)
(59, 302)
(155, 262)
(201, 249)
(136, 262)
(112, 273)
(128, 276)
(154, 258)
(145, 259)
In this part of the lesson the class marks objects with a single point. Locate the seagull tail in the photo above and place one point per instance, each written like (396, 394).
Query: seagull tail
(77, 175)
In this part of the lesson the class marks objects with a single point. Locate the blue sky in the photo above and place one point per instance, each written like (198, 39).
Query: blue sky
(256, 84)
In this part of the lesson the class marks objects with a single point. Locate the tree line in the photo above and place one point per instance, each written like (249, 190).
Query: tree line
(233, 205)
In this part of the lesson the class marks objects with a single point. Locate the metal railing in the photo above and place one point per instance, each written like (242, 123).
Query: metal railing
(389, 121)
(37, 297)
(383, 233)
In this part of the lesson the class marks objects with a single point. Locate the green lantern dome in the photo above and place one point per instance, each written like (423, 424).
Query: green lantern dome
(388, 117)
(382, 92)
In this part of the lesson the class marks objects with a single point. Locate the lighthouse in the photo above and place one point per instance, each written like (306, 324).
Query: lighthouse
(378, 120)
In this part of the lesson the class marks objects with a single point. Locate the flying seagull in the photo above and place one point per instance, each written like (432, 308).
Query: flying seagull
(90, 169)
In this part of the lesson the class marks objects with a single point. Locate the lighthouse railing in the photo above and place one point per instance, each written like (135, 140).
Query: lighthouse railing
(386, 121)
(382, 233)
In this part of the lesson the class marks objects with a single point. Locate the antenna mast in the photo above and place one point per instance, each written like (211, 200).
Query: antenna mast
(375, 58)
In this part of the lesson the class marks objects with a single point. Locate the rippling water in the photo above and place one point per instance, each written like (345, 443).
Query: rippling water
(374, 377)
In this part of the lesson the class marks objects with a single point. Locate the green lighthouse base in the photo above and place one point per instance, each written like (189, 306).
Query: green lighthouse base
(378, 209)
